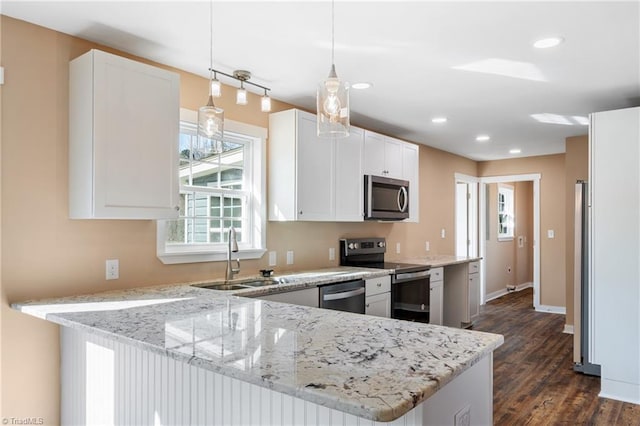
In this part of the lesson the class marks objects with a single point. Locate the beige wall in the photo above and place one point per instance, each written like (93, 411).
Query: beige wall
(506, 263)
(552, 216)
(524, 228)
(44, 254)
(577, 168)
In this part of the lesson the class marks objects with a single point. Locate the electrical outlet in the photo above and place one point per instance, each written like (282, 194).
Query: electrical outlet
(443, 233)
(112, 269)
(290, 257)
(551, 233)
(398, 248)
(427, 246)
(332, 253)
(463, 417)
(273, 261)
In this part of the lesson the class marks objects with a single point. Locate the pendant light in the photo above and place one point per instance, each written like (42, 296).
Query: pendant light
(333, 98)
(210, 117)
(265, 102)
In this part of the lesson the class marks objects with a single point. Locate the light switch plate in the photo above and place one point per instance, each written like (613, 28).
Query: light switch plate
(443, 233)
(332, 253)
(398, 248)
(551, 233)
(272, 258)
(427, 246)
(290, 257)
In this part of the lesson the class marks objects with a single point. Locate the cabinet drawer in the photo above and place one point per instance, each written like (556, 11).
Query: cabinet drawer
(474, 267)
(377, 285)
(437, 274)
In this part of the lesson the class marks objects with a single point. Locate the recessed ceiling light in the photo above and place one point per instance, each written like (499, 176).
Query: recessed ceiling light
(482, 138)
(361, 86)
(545, 43)
(439, 120)
(515, 151)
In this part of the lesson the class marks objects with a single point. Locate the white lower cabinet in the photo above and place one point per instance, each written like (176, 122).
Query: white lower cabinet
(306, 297)
(436, 296)
(461, 294)
(378, 297)
(474, 291)
(378, 305)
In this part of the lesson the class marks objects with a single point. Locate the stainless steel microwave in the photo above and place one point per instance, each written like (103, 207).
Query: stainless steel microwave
(385, 198)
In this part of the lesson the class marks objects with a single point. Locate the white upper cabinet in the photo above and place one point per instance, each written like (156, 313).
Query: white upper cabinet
(312, 178)
(374, 163)
(382, 155)
(349, 184)
(393, 152)
(315, 172)
(123, 139)
(393, 158)
(322, 179)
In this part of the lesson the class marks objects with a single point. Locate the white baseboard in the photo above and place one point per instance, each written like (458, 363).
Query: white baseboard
(613, 389)
(495, 294)
(552, 309)
(568, 329)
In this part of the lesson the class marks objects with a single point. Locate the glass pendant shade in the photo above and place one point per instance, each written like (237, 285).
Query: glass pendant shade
(241, 95)
(265, 103)
(216, 88)
(210, 127)
(333, 107)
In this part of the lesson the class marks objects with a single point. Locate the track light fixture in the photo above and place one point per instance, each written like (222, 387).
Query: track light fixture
(243, 77)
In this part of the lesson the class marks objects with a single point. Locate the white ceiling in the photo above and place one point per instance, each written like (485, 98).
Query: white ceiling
(412, 52)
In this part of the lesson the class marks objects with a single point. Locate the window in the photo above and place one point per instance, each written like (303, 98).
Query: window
(506, 217)
(217, 191)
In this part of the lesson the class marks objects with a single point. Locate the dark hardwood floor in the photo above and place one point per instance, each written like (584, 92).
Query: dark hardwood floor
(534, 382)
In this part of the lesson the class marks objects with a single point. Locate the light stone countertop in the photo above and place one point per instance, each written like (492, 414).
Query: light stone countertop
(436, 261)
(371, 367)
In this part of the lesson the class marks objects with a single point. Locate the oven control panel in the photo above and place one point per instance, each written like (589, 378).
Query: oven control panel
(362, 246)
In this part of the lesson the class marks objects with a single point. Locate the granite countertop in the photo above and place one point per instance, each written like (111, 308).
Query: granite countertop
(436, 261)
(371, 367)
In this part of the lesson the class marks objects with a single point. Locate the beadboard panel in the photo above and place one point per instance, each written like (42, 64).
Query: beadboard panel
(110, 383)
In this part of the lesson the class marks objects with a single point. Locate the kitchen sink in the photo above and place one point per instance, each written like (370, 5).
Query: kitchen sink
(260, 283)
(222, 286)
(238, 284)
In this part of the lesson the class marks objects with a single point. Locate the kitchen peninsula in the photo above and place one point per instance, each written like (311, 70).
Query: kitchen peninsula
(180, 354)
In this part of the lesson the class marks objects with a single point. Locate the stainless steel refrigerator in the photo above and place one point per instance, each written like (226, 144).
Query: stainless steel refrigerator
(582, 288)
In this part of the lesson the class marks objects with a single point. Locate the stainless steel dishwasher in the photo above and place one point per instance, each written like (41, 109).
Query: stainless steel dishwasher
(345, 296)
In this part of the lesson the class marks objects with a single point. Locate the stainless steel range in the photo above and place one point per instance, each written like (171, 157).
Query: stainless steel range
(409, 284)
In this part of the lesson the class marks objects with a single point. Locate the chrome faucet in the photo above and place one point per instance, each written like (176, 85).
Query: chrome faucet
(233, 248)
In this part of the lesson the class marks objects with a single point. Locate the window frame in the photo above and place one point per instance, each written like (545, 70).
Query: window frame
(212, 252)
(508, 191)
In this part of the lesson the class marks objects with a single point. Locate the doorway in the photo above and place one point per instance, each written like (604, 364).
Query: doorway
(466, 209)
(506, 182)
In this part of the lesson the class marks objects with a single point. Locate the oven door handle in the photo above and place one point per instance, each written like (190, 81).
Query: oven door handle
(343, 295)
(411, 275)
